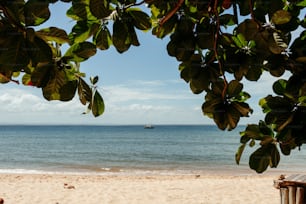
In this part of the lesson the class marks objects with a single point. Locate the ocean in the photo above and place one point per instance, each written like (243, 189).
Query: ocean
(127, 149)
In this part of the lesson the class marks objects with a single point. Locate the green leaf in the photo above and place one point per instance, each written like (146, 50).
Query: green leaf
(281, 17)
(36, 12)
(38, 51)
(200, 82)
(233, 117)
(302, 3)
(237, 41)
(53, 34)
(80, 11)
(58, 87)
(41, 74)
(227, 19)
(252, 143)
(167, 28)
(234, 88)
(26, 80)
(14, 56)
(121, 36)
(209, 106)
(97, 105)
(242, 108)
(141, 20)
(103, 39)
(248, 30)
(260, 159)
(254, 72)
(94, 80)
(239, 153)
(275, 157)
(252, 131)
(279, 87)
(180, 46)
(80, 51)
(84, 92)
(68, 90)
(132, 37)
(82, 31)
(100, 8)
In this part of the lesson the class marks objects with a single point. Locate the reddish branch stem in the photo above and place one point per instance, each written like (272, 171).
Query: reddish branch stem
(251, 9)
(216, 47)
(171, 13)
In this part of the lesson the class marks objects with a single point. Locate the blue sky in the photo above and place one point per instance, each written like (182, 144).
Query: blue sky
(140, 86)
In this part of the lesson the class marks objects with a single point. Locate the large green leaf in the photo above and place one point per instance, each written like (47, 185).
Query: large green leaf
(13, 55)
(200, 82)
(58, 87)
(38, 51)
(53, 34)
(36, 12)
(233, 117)
(80, 51)
(180, 46)
(248, 29)
(41, 74)
(80, 11)
(100, 8)
(141, 20)
(84, 91)
(242, 108)
(204, 35)
(120, 37)
(132, 37)
(275, 156)
(97, 105)
(260, 159)
(234, 88)
(82, 31)
(68, 90)
(103, 39)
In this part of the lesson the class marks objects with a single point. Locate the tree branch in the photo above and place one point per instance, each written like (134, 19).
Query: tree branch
(135, 4)
(251, 9)
(216, 36)
(8, 79)
(171, 13)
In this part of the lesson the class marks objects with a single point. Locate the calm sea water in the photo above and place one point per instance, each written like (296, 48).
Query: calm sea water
(102, 149)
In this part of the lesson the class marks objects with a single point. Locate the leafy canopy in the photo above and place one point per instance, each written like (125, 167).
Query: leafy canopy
(216, 42)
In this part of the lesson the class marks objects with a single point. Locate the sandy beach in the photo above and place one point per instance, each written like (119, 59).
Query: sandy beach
(137, 189)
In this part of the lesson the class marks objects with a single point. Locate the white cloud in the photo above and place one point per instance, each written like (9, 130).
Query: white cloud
(23, 101)
(143, 92)
(136, 102)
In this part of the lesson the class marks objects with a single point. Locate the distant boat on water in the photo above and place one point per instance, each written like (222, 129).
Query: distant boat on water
(148, 126)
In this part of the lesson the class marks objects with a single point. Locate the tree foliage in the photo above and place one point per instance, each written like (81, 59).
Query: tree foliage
(216, 42)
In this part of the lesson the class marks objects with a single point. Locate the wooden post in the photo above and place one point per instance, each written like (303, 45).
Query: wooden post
(299, 195)
(292, 192)
(284, 195)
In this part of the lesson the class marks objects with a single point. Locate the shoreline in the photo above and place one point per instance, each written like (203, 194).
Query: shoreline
(138, 189)
(230, 170)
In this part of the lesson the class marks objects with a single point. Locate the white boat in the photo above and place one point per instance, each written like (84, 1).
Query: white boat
(148, 126)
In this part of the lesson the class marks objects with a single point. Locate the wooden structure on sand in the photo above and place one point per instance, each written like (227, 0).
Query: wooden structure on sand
(292, 189)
